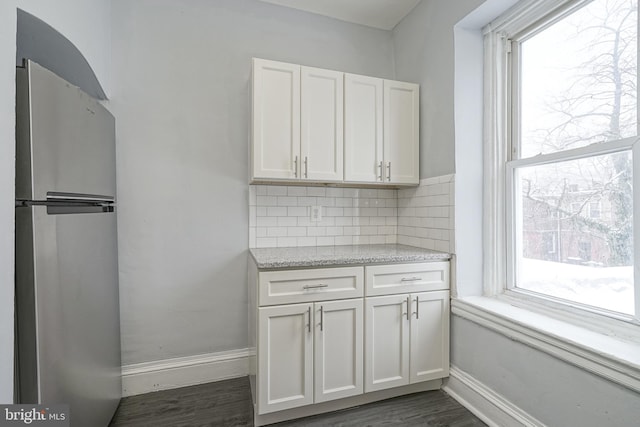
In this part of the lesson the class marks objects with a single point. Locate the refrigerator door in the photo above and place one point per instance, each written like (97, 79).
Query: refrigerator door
(68, 317)
(65, 138)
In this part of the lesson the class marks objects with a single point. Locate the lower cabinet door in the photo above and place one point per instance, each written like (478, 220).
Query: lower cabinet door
(285, 357)
(338, 349)
(429, 336)
(386, 342)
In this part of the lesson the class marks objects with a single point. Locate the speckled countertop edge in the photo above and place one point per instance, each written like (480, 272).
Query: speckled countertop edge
(323, 256)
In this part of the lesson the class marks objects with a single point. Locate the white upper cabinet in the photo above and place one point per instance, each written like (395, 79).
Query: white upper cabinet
(321, 145)
(311, 124)
(276, 120)
(401, 132)
(363, 129)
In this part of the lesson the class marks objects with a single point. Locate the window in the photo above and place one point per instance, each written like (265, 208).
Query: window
(565, 129)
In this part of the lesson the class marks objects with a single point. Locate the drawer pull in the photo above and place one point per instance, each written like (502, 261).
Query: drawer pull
(410, 279)
(321, 285)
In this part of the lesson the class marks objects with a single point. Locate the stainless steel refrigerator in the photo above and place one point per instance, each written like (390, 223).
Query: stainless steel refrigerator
(67, 306)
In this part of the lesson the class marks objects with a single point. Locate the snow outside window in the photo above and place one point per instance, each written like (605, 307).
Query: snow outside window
(573, 121)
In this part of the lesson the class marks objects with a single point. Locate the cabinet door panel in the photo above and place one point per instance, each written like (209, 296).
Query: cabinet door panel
(363, 129)
(338, 349)
(401, 132)
(285, 357)
(276, 120)
(429, 336)
(386, 342)
(322, 125)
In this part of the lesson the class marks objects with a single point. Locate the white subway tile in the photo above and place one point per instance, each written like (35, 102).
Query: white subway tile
(316, 231)
(277, 231)
(335, 192)
(441, 245)
(327, 221)
(252, 237)
(288, 221)
(391, 220)
(276, 190)
(387, 194)
(316, 191)
(305, 221)
(334, 211)
(378, 220)
(327, 201)
(377, 240)
(287, 201)
(306, 241)
(335, 231)
(369, 230)
(349, 212)
(343, 240)
(267, 221)
(387, 211)
(344, 220)
(276, 211)
(368, 211)
(422, 212)
(296, 191)
(267, 201)
(361, 220)
(361, 240)
(361, 203)
(261, 211)
(297, 231)
(351, 231)
(253, 194)
(270, 242)
(382, 230)
(261, 231)
(344, 202)
(286, 242)
(252, 216)
(351, 192)
(297, 211)
(307, 201)
(261, 190)
(391, 239)
(325, 241)
(391, 203)
(370, 193)
(442, 223)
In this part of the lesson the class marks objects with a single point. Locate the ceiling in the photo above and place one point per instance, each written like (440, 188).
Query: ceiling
(383, 14)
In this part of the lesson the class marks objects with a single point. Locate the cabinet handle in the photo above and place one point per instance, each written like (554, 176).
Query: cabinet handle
(389, 171)
(306, 167)
(295, 167)
(380, 167)
(321, 285)
(410, 279)
(309, 322)
(417, 307)
(321, 318)
(408, 308)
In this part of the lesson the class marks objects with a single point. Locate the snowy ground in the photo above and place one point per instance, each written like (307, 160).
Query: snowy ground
(605, 287)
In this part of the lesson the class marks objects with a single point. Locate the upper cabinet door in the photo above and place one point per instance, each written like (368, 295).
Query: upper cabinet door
(401, 134)
(276, 120)
(363, 129)
(322, 125)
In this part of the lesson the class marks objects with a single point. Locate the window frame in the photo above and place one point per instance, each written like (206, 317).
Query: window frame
(502, 39)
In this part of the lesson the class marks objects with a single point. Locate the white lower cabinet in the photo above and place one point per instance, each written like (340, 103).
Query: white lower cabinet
(311, 351)
(407, 339)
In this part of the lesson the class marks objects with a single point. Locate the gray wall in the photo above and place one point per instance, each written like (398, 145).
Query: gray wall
(181, 96)
(554, 392)
(424, 54)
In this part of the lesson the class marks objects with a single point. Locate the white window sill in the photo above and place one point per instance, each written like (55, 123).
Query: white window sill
(609, 357)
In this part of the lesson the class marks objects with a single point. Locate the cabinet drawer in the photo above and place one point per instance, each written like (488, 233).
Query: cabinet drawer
(405, 278)
(294, 286)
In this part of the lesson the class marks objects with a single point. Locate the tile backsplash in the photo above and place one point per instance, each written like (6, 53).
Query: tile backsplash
(280, 216)
(426, 214)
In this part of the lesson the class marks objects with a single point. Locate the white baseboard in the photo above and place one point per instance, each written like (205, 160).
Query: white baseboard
(184, 371)
(485, 403)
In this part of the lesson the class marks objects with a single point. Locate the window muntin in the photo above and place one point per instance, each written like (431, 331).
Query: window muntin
(572, 214)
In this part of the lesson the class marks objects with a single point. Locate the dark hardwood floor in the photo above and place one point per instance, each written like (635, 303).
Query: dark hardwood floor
(228, 403)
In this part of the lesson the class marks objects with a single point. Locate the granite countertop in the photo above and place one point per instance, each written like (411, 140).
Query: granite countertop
(322, 256)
